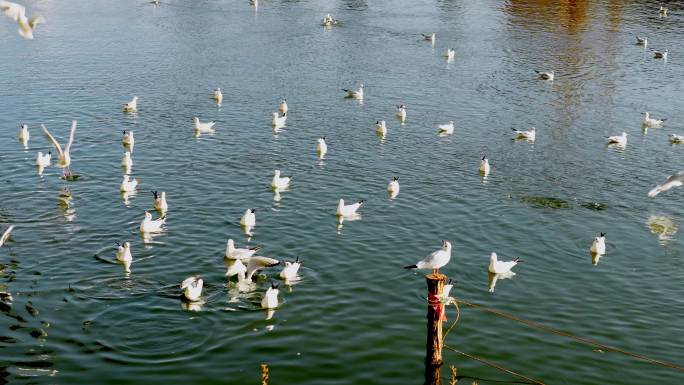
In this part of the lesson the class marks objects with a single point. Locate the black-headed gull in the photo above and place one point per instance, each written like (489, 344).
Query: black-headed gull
(355, 94)
(270, 300)
(546, 75)
(257, 263)
(598, 245)
(618, 140)
(289, 272)
(348, 210)
(131, 106)
(63, 155)
(160, 203)
(280, 182)
(6, 235)
(17, 13)
(192, 288)
(435, 260)
(484, 166)
(675, 180)
(233, 252)
(651, 122)
(501, 267)
(529, 135)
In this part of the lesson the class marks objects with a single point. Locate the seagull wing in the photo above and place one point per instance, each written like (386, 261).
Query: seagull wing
(13, 10)
(6, 235)
(36, 20)
(187, 282)
(52, 140)
(71, 136)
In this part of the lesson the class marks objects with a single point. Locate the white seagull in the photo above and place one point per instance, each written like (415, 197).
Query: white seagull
(450, 53)
(436, 260)
(24, 135)
(348, 210)
(381, 128)
(282, 107)
(278, 120)
(239, 253)
(641, 40)
(192, 288)
(123, 252)
(249, 218)
(289, 272)
(401, 113)
(127, 184)
(598, 246)
(355, 94)
(529, 135)
(501, 267)
(675, 180)
(446, 129)
(17, 13)
(257, 263)
(160, 203)
(6, 235)
(43, 160)
(128, 140)
(280, 182)
(131, 106)
(203, 127)
(660, 55)
(484, 165)
(393, 187)
(270, 300)
(546, 75)
(432, 37)
(676, 139)
(148, 225)
(618, 140)
(662, 11)
(217, 96)
(63, 157)
(321, 147)
(651, 122)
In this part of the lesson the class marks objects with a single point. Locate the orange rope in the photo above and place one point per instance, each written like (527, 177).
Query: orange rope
(489, 363)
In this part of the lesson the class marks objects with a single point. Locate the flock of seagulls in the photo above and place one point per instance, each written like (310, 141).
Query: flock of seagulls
(245, 262)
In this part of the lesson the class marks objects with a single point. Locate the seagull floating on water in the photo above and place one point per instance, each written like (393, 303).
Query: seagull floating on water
(192, 288)
(348, 210)
(24, 135)
(676, 139)
(675, 180)
(436, 260)
(289, 272)
(128, 140)
(401, 113)
(6, 235)
(618, 140)
(239, 253)
(270, 300)
(529, 135)
(217, 95)
(43, 160)
(280, 182)
(321, 147)
(203, 127)
(123, 252)
(128, 185)
(131, 106)
(329, 21)
(501, 267)
(249, 218)
(381, 128)
(662, 11)
(282, 107)
(148, 225)
(446, 129)
(160, 202)
(598, 246)
(431, 37)
(546, 75)
(17, 13)
(355, 94)
(652, 122)
(450, 53)
(484, 166)
(63, 157)
(660, 54)
(393, 187)
(278, 120)
(641, 40)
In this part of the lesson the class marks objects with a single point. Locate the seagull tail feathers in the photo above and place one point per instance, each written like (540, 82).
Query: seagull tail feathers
(411, 267)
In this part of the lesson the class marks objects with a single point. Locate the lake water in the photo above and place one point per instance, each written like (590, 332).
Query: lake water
(356, 317)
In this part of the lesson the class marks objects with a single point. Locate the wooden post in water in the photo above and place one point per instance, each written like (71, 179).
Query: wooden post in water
(264, 374)
(435, 315)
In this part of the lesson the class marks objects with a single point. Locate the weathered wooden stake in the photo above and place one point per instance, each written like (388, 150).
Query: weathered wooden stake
(264, 374)
(435, 315)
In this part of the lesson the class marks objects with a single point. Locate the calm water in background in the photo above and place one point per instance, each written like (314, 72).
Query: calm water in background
(356, 317)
